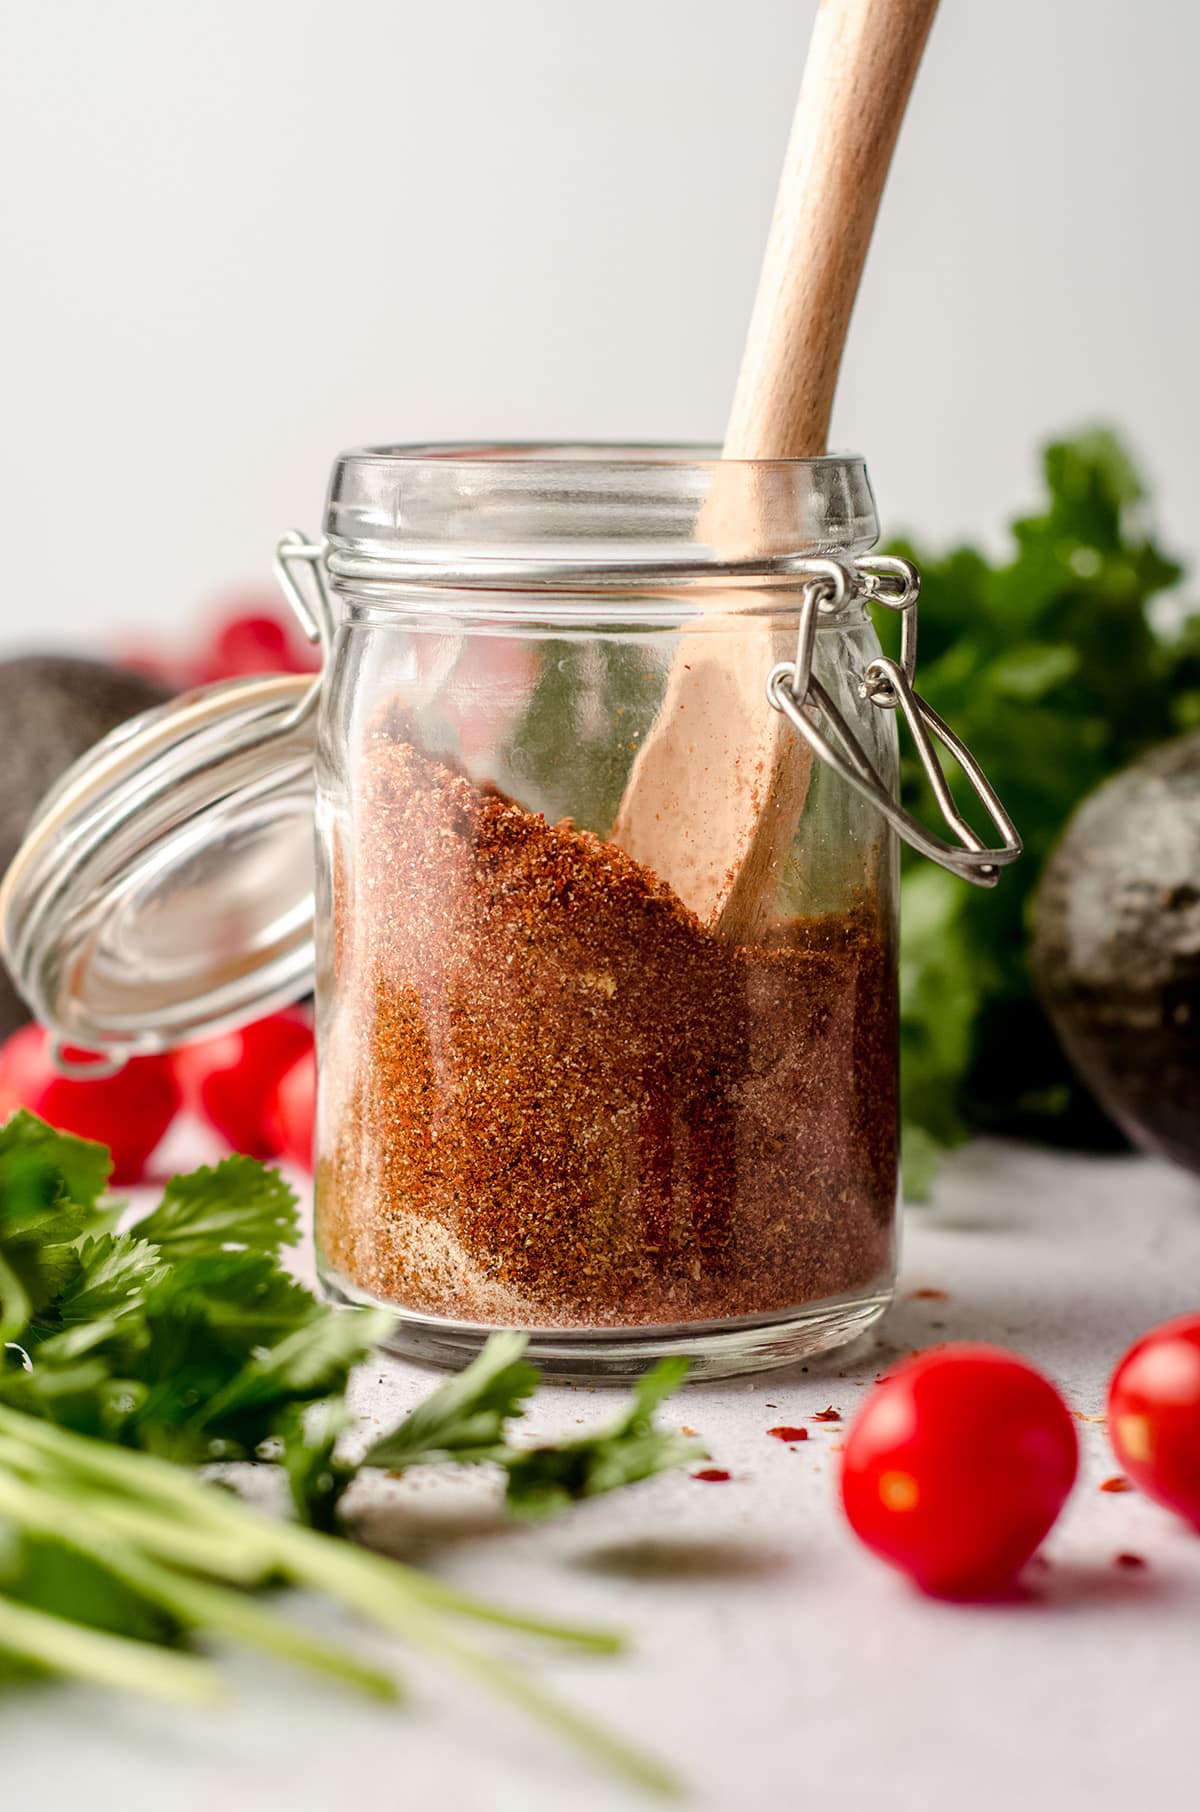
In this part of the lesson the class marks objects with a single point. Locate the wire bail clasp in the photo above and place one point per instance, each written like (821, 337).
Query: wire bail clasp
(310, 605)
(794, 689)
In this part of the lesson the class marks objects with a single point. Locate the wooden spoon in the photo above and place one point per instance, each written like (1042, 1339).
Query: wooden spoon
(717, 789)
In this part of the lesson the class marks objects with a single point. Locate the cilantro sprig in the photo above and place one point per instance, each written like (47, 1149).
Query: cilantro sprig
(128, 1356)
(115, 1560)
(468, 1420)
(545, 1479)
(184, 1336)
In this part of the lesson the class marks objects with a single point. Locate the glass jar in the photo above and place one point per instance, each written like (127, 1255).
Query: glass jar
(605, 906)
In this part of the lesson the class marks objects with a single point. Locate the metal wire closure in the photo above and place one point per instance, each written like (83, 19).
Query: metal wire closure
(314, 614)
(90, 1068)
(794, 689)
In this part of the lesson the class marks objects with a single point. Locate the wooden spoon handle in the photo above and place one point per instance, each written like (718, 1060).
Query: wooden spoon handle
(861, 64)
(718, 787)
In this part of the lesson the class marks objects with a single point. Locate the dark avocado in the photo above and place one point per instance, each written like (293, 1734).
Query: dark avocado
(52, 709)
(1116, 948)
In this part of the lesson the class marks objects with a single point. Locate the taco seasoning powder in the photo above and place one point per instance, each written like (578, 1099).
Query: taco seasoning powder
(551, 1098)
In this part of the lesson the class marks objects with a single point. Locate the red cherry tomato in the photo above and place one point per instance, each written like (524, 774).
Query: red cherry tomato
(230, 1081)
(957, 1466)
(1154, 1415)
(128, 1112)
(293, 1110)
(255, 641)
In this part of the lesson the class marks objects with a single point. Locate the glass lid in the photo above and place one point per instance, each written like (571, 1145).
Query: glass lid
(165, 889)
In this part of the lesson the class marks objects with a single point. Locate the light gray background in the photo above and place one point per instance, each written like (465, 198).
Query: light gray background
(239, 236)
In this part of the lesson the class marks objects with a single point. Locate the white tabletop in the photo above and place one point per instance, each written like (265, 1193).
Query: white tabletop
(775, 1662)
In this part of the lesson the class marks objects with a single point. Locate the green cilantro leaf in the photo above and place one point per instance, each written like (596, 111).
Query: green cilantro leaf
(316, 1476)
(543, 1480)
(50, 1184)
(41, 1166)
(244, 1300)
(309, 1363)
(238, 1202)
(184, 1336)
(113, 1272)
(464, 1419)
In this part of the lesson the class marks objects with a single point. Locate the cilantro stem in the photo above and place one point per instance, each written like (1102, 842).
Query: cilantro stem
(449, 1598)
(381, 1590)
(391, 1594)
(636, 1764)
(171, 1538)
(106, 1660)
(217, 1611)
(366, 1583)
(143, 1478)
(195, 1547)
(211, 1609)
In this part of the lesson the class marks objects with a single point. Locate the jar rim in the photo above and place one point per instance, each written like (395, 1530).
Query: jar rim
(557, 454)
(573, 513)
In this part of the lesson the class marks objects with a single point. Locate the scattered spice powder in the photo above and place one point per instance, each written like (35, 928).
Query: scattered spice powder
(1117, 1483)
(789, 1434)
(928, 1295)
(1133, 1562)
(712, 1475)
(828, 1415)
(551, 1098)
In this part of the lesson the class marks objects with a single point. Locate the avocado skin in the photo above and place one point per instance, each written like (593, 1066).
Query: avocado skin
(52, 709)
(1116, 948)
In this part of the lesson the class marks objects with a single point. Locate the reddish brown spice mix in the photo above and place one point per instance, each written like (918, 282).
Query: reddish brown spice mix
(789, 1434)
(1117, 1483)
(552, 1098)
